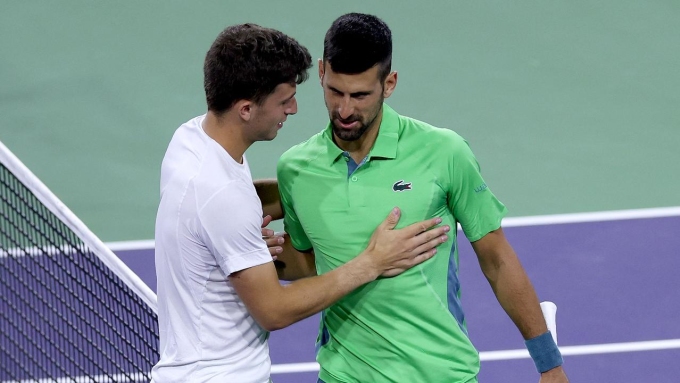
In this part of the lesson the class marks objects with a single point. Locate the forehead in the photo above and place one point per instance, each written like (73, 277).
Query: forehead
(366, 80)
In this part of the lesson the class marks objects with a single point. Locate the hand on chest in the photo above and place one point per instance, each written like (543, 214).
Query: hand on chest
(370, 192)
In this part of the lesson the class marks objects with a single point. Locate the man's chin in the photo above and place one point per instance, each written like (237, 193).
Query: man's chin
(269, 137)
(347, 135)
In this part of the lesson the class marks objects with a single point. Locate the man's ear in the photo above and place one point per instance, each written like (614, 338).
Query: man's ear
(390, 84)
(321, 71)
(244, 108)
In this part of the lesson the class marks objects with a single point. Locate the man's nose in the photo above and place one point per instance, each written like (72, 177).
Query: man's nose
(293, 108)
(346, 109)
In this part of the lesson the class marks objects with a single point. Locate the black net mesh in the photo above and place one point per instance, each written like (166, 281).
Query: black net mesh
(64, 315)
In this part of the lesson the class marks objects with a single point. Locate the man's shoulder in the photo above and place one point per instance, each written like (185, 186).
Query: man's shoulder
(423, 133)
(304, 151)
(187, 137)
(190, 127)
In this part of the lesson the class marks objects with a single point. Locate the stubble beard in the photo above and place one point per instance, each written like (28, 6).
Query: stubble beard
(352, 134)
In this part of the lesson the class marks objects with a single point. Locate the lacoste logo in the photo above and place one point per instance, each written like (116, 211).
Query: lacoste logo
(400, 186)
(481, 188)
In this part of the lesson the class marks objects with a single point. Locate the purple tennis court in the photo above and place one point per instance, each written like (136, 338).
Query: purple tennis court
(614, 281)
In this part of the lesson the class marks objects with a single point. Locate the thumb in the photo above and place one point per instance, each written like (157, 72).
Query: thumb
(392, 219)
(266, 220)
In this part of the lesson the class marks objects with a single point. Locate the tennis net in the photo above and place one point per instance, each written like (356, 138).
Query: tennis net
(70, 310)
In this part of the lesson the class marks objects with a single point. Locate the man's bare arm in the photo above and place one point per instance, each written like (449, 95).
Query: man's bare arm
(513, 290)
(268, 191)
(292, 264)
(388, 253)
(510, 283)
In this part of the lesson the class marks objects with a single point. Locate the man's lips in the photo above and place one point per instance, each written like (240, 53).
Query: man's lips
(346, 125)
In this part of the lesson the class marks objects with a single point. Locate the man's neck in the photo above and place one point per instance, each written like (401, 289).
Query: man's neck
(227, 133)
(359, 149)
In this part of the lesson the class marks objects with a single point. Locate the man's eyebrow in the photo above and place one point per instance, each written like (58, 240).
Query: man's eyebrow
(362, 93)
(355, 94)
(291, 97)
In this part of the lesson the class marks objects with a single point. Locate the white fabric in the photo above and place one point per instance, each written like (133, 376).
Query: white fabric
(207, 227)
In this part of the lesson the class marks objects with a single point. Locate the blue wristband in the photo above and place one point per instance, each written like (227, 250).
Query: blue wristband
(544, 352)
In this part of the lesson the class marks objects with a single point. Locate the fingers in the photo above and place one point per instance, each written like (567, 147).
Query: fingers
(419, 227)
(411, 262)
(266, 220)
(422, 257)
(429, 240)
(274, 242)
(431, 244)
(392, 219)
(431, 234)
(274, 251)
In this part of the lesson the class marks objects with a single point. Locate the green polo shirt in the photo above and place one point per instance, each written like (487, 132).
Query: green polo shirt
(409, 328)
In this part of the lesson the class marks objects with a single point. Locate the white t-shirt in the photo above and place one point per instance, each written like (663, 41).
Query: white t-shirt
(208, 226)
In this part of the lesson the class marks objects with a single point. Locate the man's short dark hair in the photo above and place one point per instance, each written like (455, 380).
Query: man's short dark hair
(356, 42)
(247, 62)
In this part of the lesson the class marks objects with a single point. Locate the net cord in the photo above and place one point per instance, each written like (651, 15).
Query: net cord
(52, 202)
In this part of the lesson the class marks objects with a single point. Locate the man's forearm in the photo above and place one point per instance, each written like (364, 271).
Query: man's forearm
(268, 191)
(510, 284)
(276, 306)
(518, 298)
(389, 252)
(328, 288)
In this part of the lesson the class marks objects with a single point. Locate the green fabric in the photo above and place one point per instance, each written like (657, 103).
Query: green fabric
(393, 329)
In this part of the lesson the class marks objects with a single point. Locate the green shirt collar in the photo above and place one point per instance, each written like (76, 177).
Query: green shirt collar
(385, 145)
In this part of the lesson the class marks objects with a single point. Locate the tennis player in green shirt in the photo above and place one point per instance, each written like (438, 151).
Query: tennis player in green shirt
(337, 186)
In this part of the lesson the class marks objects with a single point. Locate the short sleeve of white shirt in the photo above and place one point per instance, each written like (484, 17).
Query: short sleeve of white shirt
(231, 221)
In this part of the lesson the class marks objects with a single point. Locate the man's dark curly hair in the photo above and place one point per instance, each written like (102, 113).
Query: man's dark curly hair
(356, 42)
(247, 62)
